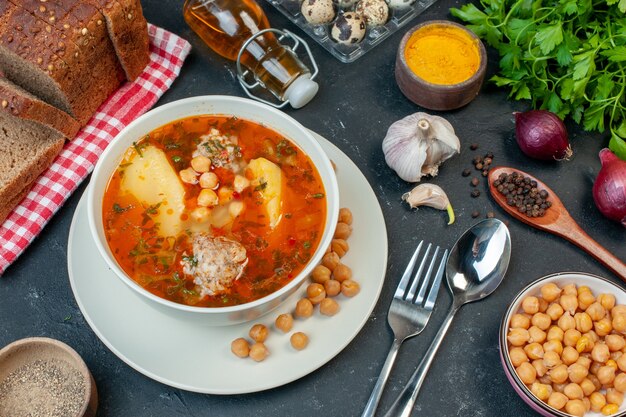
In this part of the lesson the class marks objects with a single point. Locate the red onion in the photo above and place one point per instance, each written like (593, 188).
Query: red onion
(542, 135)
(609, 190)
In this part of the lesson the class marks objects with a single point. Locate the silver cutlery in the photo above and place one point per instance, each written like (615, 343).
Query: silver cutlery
(409, 312)
(476, 266)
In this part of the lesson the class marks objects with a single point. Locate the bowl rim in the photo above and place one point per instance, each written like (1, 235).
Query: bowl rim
(504, 354)
(476, 77)
(331, 190)
(78, 363)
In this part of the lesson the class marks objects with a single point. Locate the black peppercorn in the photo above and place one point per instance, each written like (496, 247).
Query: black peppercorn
(475, 182)
(466, 172)
(522, 193)
(474, 146)
(475, 193)
(475, 214)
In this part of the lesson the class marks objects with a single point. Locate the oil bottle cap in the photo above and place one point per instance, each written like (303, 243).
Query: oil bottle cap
(301, 91)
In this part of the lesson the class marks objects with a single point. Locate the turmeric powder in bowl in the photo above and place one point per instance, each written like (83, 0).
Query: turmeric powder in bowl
(442, 54)
(440, 65)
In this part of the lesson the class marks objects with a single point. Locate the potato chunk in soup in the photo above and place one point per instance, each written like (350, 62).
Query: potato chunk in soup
(151, 179)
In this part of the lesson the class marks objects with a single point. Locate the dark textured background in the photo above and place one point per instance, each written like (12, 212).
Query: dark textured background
(356, 104)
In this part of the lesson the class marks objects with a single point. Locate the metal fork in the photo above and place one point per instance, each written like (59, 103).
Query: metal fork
(408, 313)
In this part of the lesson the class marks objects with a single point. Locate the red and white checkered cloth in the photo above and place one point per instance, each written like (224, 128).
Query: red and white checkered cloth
(77, 160)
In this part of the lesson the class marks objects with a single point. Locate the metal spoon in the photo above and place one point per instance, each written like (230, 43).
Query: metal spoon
(476, 266)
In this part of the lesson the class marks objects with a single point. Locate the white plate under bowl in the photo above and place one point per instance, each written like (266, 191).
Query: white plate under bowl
(145, 338)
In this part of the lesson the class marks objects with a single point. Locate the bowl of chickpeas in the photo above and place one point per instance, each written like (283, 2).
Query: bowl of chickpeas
(563, 345)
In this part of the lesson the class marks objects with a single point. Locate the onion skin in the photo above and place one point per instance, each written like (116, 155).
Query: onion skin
(542, 135)
(609, 189)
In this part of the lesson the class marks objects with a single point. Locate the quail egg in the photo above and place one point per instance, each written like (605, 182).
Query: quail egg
(349, 28)
(318, 12)
(374, 12)
(399, 4)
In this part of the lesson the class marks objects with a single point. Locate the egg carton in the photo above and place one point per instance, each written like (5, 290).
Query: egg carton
(398, 17)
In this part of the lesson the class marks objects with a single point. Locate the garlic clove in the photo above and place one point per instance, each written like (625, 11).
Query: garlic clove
(429, 195)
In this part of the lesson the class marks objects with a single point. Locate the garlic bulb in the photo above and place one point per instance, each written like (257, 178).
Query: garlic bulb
(416, 145)
(429, 195)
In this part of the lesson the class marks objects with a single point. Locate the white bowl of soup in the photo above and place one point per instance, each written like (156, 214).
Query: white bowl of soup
(213, 208)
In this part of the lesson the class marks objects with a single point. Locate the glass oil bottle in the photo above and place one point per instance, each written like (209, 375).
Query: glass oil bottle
(239, 30)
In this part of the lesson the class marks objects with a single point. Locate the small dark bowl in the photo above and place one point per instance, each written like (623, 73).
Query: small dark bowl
(437, 96)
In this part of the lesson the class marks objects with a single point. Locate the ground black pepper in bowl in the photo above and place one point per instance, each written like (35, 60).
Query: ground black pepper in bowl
(48, 388)
(42, 377)
(522, 192)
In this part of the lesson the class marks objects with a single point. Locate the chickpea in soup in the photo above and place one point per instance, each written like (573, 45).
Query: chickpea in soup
(213, 211)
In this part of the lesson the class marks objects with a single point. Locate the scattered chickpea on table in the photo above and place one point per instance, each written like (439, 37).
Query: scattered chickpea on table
(329, 279)
(567, 347)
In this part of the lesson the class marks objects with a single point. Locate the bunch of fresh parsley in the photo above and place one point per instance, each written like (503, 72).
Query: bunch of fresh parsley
(566, 56)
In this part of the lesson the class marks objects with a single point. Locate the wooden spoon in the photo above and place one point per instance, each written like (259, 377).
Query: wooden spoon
(557, 221)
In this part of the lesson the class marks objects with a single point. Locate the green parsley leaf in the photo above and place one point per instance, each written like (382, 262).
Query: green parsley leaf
(549, 37)
(563, 55)
(618, 146)
(617, 54)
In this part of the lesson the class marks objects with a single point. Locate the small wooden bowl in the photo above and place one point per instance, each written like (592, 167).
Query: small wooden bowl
(437, 96)
(26, 351)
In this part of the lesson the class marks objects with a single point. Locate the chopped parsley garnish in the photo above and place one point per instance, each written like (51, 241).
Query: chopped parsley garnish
(318, 195)
(307, 245)
(119, 209)
(176, 159)
(284, 148)
(154, 209)
(164, 261)
(138, 148)
(191, 260)
(150, 211)
(262, 186)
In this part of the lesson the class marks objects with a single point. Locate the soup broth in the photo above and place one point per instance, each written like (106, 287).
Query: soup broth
(220, 234)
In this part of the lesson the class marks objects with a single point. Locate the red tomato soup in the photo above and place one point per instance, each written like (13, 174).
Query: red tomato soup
(214, 211)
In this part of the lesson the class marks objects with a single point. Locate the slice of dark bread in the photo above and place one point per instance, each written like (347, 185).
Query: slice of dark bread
(27, 149)
(126, 26)
(89, 30)
(128, 30)
(80, 39)
(35, 45)
(30, 65)
(20, 103)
